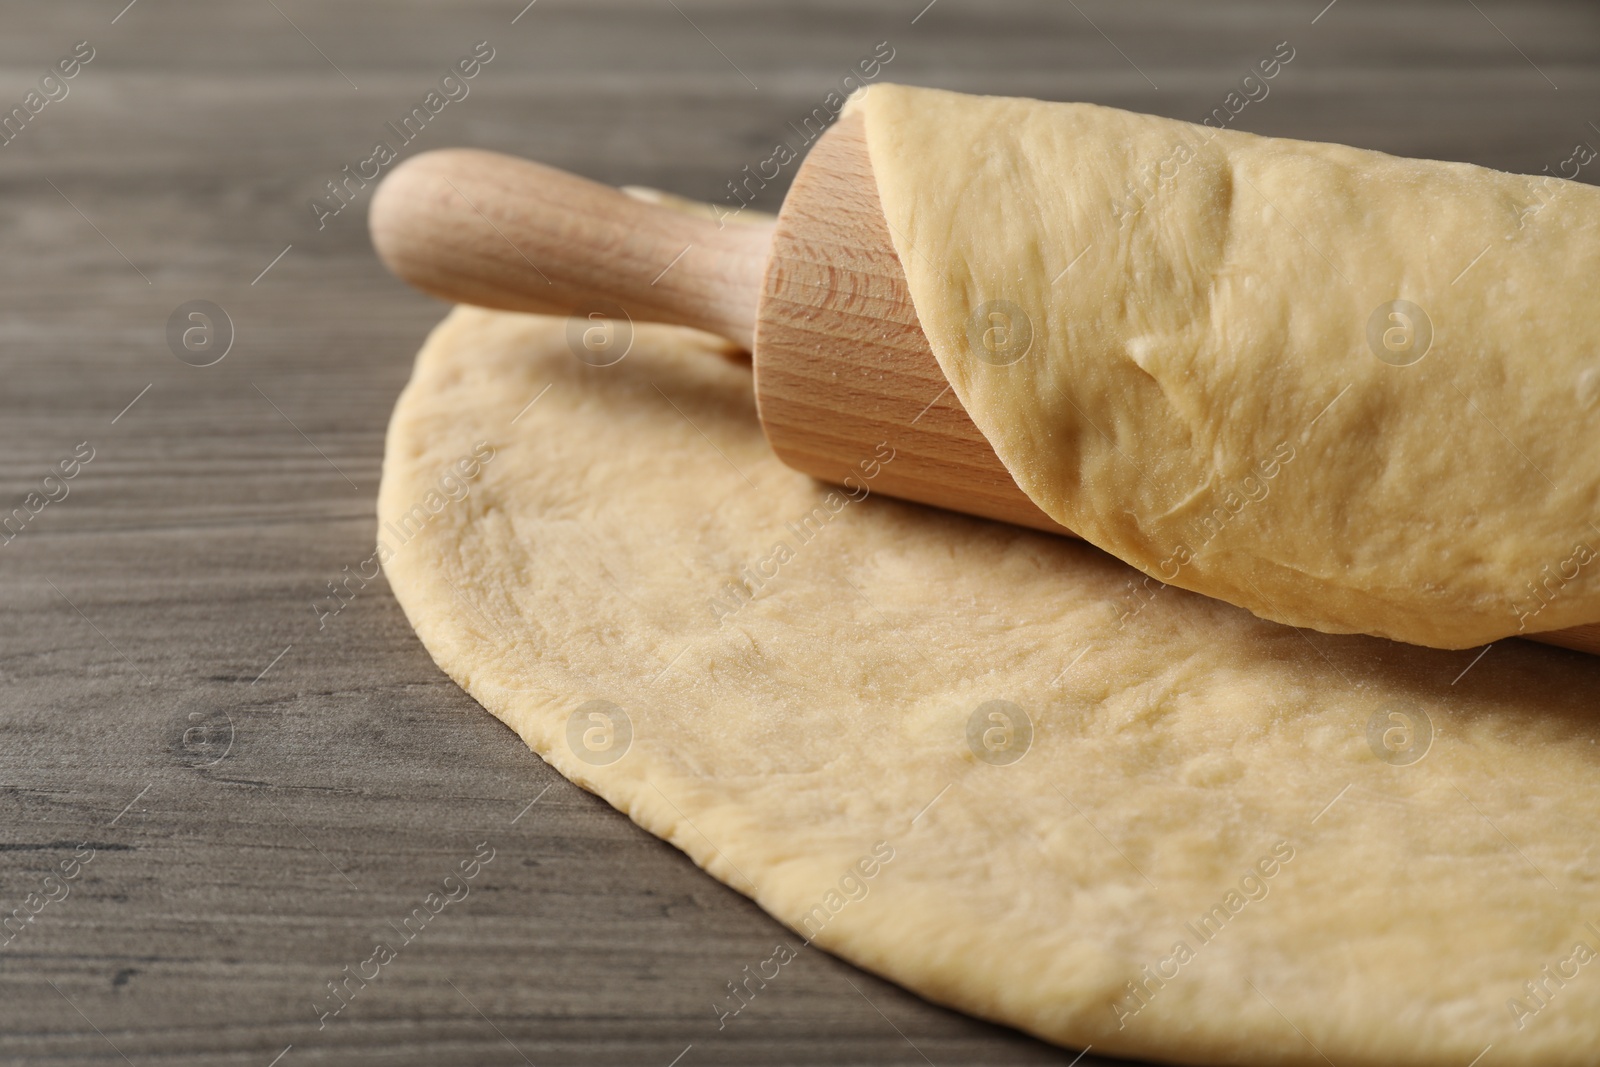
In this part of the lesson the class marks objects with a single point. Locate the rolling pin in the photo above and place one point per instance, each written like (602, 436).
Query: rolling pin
(818, 298)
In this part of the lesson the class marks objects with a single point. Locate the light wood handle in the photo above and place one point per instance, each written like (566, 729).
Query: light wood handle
(493, 230)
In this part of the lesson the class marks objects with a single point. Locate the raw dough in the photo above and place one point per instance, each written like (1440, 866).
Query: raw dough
(790, 740)
(1216, 388)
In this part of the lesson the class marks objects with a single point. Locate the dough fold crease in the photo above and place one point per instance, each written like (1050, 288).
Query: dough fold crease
(1409, 345)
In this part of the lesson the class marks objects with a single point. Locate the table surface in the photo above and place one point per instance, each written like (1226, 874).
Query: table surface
(262, 798)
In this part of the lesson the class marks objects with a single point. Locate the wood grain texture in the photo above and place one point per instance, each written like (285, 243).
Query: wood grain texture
(1577, 638)
(157, 597)
(842, 364)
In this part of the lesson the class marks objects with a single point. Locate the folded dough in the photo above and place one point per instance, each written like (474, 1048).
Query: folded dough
(925, 740)
(1345, 390)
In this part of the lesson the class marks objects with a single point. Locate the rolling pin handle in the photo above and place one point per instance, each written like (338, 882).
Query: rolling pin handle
(489, 229)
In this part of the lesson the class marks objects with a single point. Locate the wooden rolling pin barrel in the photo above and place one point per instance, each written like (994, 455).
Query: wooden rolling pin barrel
(818, 297)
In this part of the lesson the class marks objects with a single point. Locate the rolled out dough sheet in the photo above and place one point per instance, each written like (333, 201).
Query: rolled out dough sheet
(1342, 389)
(945, 749)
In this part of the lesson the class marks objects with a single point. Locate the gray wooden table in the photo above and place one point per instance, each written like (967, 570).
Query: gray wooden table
(260, 800)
